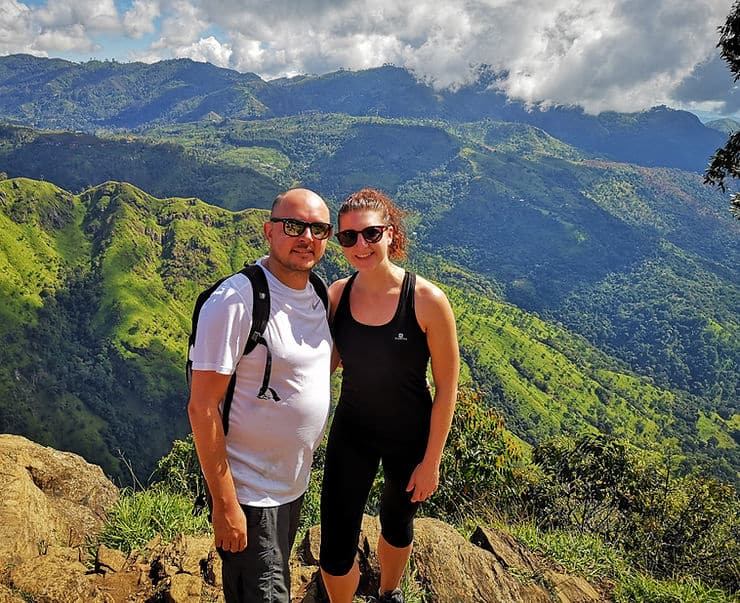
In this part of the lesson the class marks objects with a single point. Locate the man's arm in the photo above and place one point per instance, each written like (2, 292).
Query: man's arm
(229, 523)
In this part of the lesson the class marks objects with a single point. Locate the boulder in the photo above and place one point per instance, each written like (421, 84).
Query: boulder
(514, 556)
(109, 560)
(571, 589)
(506, 549)
(47, 497)
(184, 588)
(450, 568)
(492, 566)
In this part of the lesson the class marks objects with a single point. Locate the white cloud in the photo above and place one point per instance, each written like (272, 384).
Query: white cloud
(182, 26)
(93, 16)
(208, 50)
(601, 54)
(71, 38)
(16, 28)
(140, 18)
(619, 54)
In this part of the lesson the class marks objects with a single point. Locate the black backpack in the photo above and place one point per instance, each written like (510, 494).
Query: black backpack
(260, 316)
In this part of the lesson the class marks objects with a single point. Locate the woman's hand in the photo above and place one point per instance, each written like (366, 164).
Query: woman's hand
(424, 481)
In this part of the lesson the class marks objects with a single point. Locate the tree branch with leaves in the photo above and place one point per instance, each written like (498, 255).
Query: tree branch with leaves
(726, 161)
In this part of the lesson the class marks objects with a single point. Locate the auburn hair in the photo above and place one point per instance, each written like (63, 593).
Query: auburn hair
(370, 199)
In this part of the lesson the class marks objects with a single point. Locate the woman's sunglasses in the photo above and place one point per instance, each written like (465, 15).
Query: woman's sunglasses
(295, 228)
(371, 234)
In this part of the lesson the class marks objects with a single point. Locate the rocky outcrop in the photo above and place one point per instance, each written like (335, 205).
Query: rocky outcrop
(515, 557)
(47, 498)
(50, 502)
(188, 570)
(56, 576)
(492, 567)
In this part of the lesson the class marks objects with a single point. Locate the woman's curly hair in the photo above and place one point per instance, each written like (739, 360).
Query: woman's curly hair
(370, 199)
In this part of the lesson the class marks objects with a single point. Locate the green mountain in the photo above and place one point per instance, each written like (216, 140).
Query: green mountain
(565, 215)
(53, 93)
(159, 167)
(98, 288)
(97, 292)
(643, 262)
(56, 94)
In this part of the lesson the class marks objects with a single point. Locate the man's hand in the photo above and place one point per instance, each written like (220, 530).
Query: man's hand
(230, 528)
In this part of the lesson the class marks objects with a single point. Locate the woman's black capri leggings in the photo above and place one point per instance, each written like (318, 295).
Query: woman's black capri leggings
(352, 462)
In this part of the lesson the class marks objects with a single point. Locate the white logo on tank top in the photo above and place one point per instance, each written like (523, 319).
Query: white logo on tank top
(401, 337)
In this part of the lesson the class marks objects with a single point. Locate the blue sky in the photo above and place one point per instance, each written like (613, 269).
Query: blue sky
(623, 55)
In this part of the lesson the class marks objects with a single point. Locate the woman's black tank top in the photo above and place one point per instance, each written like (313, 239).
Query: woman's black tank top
(384, 386)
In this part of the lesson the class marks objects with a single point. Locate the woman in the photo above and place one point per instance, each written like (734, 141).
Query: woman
(387, 323)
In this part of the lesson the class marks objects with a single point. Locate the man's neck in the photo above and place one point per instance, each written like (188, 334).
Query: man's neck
(294, 279)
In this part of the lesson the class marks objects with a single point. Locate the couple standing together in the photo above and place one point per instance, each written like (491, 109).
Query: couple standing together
(387, 324)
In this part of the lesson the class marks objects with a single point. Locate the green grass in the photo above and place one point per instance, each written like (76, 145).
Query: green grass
(588, 556)
(638, 588)
(713, 426)
(139, 516)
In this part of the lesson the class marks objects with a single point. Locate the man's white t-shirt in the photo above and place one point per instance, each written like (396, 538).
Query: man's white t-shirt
(270, 445)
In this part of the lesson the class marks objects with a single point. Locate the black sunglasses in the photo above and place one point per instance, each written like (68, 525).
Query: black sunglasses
(371, 234)
(295, 228)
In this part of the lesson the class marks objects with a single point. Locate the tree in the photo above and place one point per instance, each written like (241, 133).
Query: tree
(726, 161)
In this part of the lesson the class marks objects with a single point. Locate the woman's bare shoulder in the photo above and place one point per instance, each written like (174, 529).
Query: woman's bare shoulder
(428, 292)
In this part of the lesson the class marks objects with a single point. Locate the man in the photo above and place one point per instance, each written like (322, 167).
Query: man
(258, 473)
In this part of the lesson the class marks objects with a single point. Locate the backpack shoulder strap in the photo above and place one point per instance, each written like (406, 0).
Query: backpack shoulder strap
(260, 316)
(260, 305)
(200, 300)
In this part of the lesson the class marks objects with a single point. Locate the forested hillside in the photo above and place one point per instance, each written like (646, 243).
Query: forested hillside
(97, 292)
(595, 276)
(98, 288)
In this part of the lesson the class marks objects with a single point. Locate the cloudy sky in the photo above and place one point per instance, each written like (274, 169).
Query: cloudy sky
(623, 55)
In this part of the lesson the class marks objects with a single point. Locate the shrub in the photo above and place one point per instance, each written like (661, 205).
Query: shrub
(179, 471)
(689, 526)
(668, 525)
(590, 484)
(481, 464)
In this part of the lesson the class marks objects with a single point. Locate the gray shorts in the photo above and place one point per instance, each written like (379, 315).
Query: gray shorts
(260, 573)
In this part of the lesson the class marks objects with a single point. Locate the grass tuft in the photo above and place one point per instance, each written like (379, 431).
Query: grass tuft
(138, 516)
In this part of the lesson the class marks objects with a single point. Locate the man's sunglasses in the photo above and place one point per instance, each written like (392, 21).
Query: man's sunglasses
(295, 228)
(371, 234)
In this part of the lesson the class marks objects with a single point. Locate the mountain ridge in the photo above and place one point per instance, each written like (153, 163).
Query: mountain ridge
(88, 96)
